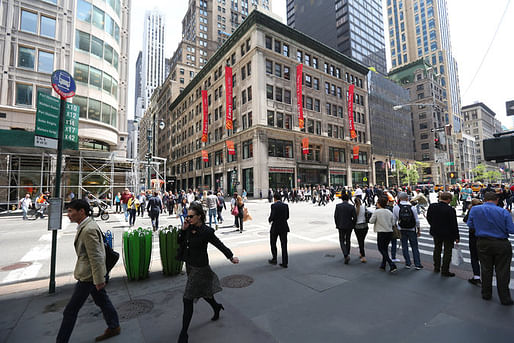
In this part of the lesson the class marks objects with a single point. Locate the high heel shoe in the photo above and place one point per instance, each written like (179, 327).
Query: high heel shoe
(217, 312)
(183, 338)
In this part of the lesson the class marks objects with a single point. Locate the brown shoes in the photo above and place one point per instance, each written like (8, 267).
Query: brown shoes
(108, 334)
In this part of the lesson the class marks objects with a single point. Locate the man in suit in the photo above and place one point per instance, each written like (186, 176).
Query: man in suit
(279, 228)
(445, 230)
(345, 217)
(154, 208)
(90, 271)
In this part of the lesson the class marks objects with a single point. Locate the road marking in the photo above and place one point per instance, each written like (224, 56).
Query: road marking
(23, 274)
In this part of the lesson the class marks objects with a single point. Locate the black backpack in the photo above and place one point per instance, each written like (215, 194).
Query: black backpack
(406, 217)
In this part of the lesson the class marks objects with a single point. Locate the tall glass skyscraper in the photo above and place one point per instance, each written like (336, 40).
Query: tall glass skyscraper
(353, 27)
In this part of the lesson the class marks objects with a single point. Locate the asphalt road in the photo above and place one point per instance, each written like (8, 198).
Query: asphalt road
(29, 242)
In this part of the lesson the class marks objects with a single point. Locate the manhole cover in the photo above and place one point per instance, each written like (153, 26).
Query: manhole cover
(134, 308)
(318, 222)
(15, 266)
(236, 281)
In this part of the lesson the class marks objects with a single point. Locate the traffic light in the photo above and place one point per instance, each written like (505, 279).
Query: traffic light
(148, 155)
(437, 140)
(451, 175)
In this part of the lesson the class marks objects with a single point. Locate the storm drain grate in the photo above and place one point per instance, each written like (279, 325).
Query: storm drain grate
(134, 308)
(236, 281)
(15, 266)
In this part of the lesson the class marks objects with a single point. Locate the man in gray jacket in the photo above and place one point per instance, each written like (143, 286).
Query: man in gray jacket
(90, 271)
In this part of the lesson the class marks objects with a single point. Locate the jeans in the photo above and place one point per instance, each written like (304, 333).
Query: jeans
(283, 246)
(132, 218)
(125, 211)
(154, 216)
(495, 254)
(447, 254)
(344, 240)
(361, 236)
(383, 239)
(213, 213)
(25, 210)
(473, 252)
(141, 209)
(182, 217)
(412, 238)
(80, 295)
(393, 248)
(220, 218)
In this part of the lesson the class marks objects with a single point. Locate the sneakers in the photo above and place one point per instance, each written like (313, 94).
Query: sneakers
(407, 266)
(394, 269)
(476, 282)
(346, 259)
(272, 261)
(216, 227)
(419, 267)
(363, 259)
(108, 334)
(447, 274)
(395, 260)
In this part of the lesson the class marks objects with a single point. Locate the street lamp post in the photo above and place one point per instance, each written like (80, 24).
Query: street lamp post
(148, 158)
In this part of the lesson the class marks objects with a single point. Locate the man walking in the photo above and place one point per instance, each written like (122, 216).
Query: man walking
(212, 205)
(25, 204)
(445, 230)
(125, 196)
(492, 225)
(279, 228)
(345, 218)
(90, 272)
(154, 208)
(221, 206)
(408, 223)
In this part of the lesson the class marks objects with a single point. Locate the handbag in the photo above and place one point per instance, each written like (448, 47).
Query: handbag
(396, 233)
(111, 256)
(235, 211)
(457, 257)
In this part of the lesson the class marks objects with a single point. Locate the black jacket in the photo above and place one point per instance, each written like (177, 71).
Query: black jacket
(345, 216)
(443, 221)
(193, 246)
(154, 205)
(278, 217)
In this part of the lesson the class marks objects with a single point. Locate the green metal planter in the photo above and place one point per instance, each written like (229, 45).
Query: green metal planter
(137, 253)
(168, 246)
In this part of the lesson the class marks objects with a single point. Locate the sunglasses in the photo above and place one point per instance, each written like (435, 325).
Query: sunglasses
(190, 216)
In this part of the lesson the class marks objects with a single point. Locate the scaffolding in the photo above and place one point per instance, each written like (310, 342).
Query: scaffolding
(101, 174)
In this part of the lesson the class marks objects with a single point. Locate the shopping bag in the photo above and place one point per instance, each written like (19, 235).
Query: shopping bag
(457, 257)
(235, 211)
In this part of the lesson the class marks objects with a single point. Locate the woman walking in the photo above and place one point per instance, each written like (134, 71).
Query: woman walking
(240, 208)
(132, 205)
(202, 282)
(384, 221)
(361, 227)
(117, 200)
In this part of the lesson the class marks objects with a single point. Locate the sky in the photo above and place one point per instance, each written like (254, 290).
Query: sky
(472, 27)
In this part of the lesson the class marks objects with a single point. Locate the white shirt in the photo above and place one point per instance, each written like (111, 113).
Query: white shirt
(358, 192)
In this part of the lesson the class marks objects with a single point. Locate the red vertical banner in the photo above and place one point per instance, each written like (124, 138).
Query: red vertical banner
(353, 134)
(205, 107)
(356, 152)
(299, 73)
(205, 156)
(230, 148)
(305, 146)
(228, 94)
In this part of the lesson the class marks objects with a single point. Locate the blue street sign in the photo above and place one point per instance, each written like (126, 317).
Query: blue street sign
(63, 83)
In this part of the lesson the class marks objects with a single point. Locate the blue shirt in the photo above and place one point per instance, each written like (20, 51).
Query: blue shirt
(490, 220)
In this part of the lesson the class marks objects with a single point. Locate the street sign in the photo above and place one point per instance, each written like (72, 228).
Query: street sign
(44, 142)
(54, 214)
(47, 116)
(364, 179)
(450, 163)
(510, 107)
(71, 123)
(63, 84)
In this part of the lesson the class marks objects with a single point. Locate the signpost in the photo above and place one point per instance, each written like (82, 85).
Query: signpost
(64, 85)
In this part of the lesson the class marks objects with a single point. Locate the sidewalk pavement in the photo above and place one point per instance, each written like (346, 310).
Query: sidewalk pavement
(317, 299)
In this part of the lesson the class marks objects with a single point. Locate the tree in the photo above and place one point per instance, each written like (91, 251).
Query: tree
(492, 176)
(408, 174)
(420, 167)
(479, 172)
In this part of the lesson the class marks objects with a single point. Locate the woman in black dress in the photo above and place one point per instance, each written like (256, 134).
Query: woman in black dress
(202, 282)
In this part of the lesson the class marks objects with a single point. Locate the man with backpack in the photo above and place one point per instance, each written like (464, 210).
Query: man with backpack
(409, 226)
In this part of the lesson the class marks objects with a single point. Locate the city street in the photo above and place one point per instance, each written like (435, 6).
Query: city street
(29, 242)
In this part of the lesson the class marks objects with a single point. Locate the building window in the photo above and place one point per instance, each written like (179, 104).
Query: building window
(23, 94)
(316, 83)
(84, 11)
(299, 56)
(26, 57)
(47, 27)
(287, 74)
(269, 92)
(95, 77)
(285, 50)
(317, 106)
(98, 18)
(271, 118)
(97, 47)
(28, 21)
(268, 42)
(45, 62)
(278, 46)
(314, 153)
(280, 148)
(247, 149)
(278, 94)
(425, 146)
(82, 40)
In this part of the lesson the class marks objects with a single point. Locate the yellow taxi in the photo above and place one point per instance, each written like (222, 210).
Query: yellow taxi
(438, 188)
(476, 187)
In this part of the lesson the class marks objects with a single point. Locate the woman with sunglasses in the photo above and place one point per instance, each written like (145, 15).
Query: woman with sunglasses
(202, 282)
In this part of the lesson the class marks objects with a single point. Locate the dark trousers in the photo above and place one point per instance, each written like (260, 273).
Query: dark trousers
(132, 216)
(447, 254)
(80, 295)
(497, 254)
(383, 239)
(239, 222)
(473, 252)
(283, 245)
(154, 216)
(118, 207)
(361, 236)
(141, 210)
(220, 217)
(344, 240)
